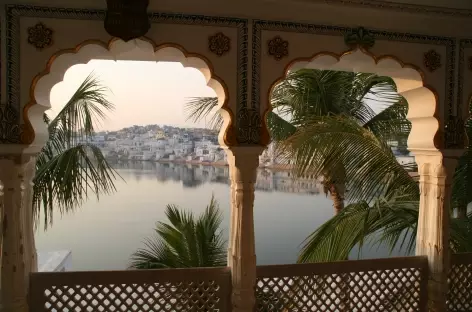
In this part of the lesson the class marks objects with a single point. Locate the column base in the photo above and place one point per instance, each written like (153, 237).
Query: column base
(243, 300)
(19, 306)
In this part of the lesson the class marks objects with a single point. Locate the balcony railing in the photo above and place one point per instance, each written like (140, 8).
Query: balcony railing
(460, 283)
(196, 289)
(396, 284)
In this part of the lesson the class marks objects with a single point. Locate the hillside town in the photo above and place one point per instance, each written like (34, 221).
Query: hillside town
(161, 143)
(187, 145)
(170, 144)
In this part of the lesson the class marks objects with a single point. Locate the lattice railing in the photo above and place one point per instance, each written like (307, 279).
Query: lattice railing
(396, 284)
(206, 290)
(460, 283)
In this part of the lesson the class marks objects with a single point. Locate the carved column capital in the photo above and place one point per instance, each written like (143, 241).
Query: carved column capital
(438, 166)
(244, 157)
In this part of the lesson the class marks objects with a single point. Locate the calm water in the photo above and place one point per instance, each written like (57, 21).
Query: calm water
(103, 234)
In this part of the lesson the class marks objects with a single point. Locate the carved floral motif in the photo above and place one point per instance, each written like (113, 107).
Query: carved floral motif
(15, 12)
(219, 44)
(278, 48)
(250, 124)
(9, 129)
(455, 132)
(432, 60)
(40, 36)
(359, 37)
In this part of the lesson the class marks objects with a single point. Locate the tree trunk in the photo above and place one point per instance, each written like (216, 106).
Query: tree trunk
(336, 192)
(462, 212)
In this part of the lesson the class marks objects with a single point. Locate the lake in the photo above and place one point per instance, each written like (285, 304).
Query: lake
(103, 234)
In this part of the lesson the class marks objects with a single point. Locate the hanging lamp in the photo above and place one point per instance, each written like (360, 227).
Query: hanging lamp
(127, 19)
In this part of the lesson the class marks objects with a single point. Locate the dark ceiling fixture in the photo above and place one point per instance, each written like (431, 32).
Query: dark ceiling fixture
(127, 19)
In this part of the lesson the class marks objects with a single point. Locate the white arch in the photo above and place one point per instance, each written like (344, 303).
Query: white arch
(137, 50)
(422, 101)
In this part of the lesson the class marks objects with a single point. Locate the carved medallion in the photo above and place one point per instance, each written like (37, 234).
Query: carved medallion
(127, 19)
(219, 44)
(250, 124)
(432, 60)
(278, 48)
(9, 129)
(40, 36)
(359, 38)
(455, 132)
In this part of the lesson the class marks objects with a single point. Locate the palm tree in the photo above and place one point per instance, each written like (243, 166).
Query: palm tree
(332, 132)
(329, 102)
(462, 183)
(70, 167)
(188, 242)
(391, 218)
(185, 242)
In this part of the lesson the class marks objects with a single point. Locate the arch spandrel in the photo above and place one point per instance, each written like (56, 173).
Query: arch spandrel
(78, 25)
(210, 45)
(420, 66)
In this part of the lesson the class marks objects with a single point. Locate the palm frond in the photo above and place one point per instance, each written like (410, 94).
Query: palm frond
(200, 108)
(185, 241)
(462, 183)
(279, 128)
(69, 167)
(65, 179)
(390, 221)
(154, 255)
(391, 123)
(212, 245)
(369, 167)
(306, 92)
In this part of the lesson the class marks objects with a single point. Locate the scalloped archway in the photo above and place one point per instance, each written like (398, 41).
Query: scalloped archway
(137, 50)
(409, 79)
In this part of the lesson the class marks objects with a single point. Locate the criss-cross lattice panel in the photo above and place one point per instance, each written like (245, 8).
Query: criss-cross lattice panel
(460, 283)
(363, 286)
(188, 290)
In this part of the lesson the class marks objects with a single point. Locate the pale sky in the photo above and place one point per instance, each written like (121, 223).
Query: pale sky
(143, 92)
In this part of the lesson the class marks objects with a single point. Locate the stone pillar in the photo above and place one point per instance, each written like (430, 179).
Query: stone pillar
(18, 251)
(243, 162)
(436, 169)
(232, 227)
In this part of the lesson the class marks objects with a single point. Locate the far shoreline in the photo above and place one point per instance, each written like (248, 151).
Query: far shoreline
(277, 167)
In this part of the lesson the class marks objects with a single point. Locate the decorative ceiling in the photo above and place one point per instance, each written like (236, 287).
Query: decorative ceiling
(394, 4)
(453, 4)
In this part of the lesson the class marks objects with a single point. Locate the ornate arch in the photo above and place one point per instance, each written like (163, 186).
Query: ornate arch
(143, 49)
(409, 79)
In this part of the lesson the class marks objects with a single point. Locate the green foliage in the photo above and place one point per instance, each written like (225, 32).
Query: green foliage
(368, 165)
(68, 169)
(185, 241)
(323, 124)
(462, 183)
(201, 107)
(388, 221)
(335, 135)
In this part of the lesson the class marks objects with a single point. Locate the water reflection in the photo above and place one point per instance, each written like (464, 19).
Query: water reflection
(103, 233)
(193, 176)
